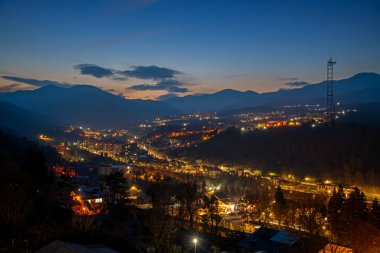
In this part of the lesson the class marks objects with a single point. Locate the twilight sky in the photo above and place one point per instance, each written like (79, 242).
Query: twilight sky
(148, 48)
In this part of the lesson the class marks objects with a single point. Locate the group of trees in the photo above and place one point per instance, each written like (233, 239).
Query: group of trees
(345, 219)
(295, 213)
(29, 208)
(35, 206)
(174, 203)
(352, 221)
(117, 187)
(211, 219)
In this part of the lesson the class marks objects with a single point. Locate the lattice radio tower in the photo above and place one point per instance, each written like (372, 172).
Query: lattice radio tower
(330, 95)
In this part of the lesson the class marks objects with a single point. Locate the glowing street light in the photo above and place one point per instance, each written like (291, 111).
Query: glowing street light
(195, 240)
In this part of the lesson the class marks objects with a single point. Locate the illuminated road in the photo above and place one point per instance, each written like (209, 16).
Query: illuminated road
(151, 151)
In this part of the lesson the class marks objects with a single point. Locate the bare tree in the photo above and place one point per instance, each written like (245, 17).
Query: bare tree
(84, 224)
(15, 205)
(188, 195)
(212, 216)
(162, 228)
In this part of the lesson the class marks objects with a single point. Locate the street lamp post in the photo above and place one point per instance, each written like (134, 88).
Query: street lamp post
(195, 240)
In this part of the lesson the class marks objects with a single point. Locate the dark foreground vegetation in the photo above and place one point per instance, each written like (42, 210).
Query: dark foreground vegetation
(34, 206)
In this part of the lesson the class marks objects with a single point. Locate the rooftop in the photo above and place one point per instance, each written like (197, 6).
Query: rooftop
(66, 247)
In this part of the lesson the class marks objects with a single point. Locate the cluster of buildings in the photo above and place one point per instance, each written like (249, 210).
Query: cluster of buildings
(64, 171)
(89, 200)
(289, 182)
(276, 119)
(117, 150)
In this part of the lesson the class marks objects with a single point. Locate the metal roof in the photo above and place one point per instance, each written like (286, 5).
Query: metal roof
(285, 237)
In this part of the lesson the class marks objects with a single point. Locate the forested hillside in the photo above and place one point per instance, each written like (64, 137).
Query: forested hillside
(348, 152)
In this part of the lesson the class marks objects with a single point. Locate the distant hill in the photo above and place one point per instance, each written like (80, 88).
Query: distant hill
(24, 122)
(367, 113)
(86, 105)
(306, 151)
(13, 148)
(212, 102)
(360, 88)
(253, 109)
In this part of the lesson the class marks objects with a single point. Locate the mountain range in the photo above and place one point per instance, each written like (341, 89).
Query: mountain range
(86, 105)
(24, 122)
(90, 106)
(360, 88)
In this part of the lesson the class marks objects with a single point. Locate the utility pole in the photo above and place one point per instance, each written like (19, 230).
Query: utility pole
(330, 109)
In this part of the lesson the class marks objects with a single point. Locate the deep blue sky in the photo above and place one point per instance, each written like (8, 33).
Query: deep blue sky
(257, 45)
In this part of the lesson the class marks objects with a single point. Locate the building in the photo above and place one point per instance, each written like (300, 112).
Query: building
(334, 248)
(106, 170)
(270, 240)
(225, 204)
(90, 200)
(63, 171)
(327, 187)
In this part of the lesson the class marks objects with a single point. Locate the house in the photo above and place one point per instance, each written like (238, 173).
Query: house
(270, 240)
(90, 200)
(225, 204)
(327, 187)
(334, 248)
(260, 241)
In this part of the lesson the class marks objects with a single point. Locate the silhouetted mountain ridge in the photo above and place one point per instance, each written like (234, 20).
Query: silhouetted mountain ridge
(24, 122)
(86, 105)
(360, 88)
(90, 106)
(211, 102)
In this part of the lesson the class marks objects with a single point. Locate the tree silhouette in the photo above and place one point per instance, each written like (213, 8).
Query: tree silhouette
(375, 213)
(279, 205)
(213, 218)
(188, 195)
(335, 217)
(117, 184)
(34, 166)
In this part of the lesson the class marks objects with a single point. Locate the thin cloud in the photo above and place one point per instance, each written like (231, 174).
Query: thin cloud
(170, 85)
(9, 87)
(150, 72)
(35, 82)
(287, 79)
(297, 84)
(178, 89)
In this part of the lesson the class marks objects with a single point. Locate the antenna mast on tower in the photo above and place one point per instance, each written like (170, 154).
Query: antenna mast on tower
(330, 98)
